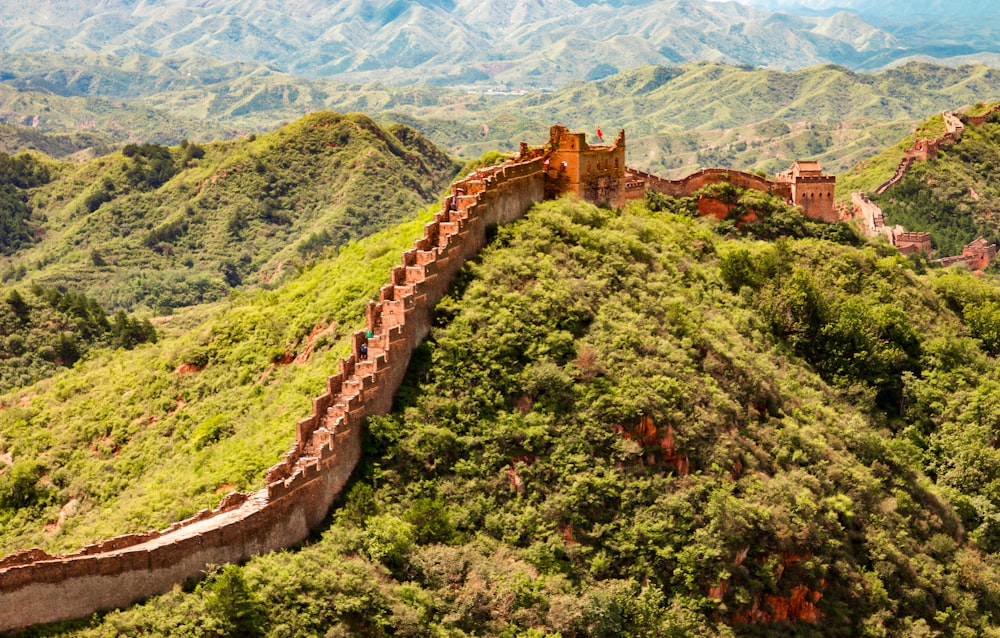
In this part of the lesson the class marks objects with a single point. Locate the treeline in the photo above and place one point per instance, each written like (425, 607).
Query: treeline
(17, 175)
(45, 328)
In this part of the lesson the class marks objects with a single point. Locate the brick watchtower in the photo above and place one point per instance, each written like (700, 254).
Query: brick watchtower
(812, 190)
(595, 174)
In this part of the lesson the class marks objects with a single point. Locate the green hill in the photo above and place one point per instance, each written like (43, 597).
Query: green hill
(627, 422)
(678, 118)
(162, 228)
(132, 440)
(954, 196)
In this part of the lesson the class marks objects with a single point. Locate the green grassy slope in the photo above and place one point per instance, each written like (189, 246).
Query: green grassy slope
(132, 440)
(629, 423)
(160, 228)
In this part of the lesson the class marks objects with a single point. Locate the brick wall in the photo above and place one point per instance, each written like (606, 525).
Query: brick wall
(37, 588)
(924, 149)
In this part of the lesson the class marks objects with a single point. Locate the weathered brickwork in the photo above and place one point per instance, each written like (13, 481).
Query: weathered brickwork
(977, 255)
(592, 173)
(803, 185)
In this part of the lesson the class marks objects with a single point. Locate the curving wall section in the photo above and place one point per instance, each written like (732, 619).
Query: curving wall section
(38, 588)
(684, 187)
(924, 149)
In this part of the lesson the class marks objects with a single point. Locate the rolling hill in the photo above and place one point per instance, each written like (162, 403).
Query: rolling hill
(677, 118)
(954, 196)
(161, 228)
(624, 421)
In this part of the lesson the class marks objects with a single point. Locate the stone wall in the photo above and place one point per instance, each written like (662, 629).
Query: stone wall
(592, 173)
(639, 181)
(909, 243)
(924, 149)
(979, 120)
(873, 221)
(37, 588)
(814, 194)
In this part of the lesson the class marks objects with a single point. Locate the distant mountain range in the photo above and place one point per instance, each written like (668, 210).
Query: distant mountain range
(510, 43)
(677, 118)
(955, 31)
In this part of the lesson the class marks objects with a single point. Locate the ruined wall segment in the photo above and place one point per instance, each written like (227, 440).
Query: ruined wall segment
(979, 120)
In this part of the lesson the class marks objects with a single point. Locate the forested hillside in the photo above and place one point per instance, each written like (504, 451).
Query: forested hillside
(633, 422)
(157, 228)
(954, 196)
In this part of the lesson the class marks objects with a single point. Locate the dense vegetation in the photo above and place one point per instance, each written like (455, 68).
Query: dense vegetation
(955, 196)
(158, 228)
(45, 329)
(648, 424)
(17, 176)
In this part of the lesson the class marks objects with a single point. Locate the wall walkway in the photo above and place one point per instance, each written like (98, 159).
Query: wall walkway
(927, 149)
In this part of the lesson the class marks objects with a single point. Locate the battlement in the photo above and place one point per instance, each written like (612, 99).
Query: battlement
(593, 173)
(908, 243)
(36, 587)
(979, 120)
(976, 255)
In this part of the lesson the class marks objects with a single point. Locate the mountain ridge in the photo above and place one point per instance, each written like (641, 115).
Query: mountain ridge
(541, 43)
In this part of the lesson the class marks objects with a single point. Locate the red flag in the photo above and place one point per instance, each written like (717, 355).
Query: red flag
(600, 135)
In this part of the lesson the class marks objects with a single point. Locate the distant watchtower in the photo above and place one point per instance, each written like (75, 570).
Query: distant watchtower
(595, 174)
(811, 189)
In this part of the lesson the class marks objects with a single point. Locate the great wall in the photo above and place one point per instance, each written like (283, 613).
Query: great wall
(976, 255)
(300, 490)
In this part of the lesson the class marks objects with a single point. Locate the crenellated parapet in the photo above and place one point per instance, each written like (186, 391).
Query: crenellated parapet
(299, 490)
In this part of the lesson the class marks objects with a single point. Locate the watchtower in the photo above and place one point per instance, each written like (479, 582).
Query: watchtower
(595, 174)
(812, 190)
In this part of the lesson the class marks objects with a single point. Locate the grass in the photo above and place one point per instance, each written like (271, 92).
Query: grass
(136, 445)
